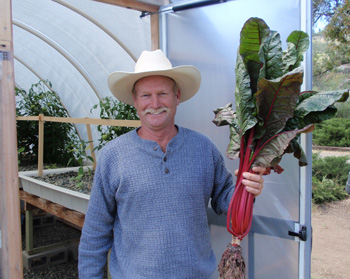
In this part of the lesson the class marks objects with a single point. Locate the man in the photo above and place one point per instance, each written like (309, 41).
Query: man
(152, 185)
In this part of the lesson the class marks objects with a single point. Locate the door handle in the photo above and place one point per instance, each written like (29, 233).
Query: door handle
(302, 234)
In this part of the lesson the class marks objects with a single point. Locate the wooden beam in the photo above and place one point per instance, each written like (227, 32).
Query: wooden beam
(92, 121)
(28, 118)
(130, 4)
(72, 216)
(11, 243)
(154, 31)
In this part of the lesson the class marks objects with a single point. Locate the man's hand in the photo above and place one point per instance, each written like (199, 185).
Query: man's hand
(254, 182)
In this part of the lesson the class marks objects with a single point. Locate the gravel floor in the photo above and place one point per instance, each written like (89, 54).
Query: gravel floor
(57, 232)
(49, 235)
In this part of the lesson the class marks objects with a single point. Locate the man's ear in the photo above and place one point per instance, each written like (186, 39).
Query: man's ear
(134, 99)
(178, 96)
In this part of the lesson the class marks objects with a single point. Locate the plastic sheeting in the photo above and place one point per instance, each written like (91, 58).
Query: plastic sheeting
(75, 45)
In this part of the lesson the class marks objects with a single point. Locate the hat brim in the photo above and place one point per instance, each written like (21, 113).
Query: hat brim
(187, 77)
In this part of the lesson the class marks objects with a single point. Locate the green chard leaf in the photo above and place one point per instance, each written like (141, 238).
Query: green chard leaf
(234, 147)
(314, 107)
(271, 152)
(271, 56)
(226, 116)
(306, 94)
(271, 113)
(276, 100)
(298, 152)
(298, 43)
(245, 105)
(253, 34)
(319, 102)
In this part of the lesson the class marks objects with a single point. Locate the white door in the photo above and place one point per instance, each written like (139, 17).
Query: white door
(208, 37)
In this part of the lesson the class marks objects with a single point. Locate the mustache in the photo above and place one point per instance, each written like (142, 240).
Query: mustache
(155, 111)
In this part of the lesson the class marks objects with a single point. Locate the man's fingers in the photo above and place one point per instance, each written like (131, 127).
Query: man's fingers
(254, 182)
(259, 170)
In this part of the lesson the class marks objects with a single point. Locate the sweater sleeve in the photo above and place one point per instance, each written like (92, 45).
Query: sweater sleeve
(97, 233)
(223, 185)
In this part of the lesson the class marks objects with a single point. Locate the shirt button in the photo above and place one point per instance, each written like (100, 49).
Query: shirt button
(164, 159)
(166, 171)
(155, 148)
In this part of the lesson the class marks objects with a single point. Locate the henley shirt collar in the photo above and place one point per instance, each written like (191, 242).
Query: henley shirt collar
(174, 144)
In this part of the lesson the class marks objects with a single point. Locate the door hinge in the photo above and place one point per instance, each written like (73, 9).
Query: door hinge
(301, 234)
(5, 55)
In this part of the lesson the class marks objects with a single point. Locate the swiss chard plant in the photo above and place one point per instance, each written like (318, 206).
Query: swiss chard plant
(270, 114)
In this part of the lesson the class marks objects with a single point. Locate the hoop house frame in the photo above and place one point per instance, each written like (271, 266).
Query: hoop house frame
(202, 33)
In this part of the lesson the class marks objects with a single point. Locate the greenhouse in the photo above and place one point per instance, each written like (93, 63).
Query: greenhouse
(63, 52)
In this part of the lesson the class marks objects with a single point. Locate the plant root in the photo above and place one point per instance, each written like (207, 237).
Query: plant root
(232, 265)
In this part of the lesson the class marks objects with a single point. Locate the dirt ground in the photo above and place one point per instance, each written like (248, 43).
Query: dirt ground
(330, 256)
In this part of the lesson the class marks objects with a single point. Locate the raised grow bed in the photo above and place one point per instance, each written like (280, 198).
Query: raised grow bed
(31, 183)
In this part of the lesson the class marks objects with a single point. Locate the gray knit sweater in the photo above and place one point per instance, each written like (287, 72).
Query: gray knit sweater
(149, 207)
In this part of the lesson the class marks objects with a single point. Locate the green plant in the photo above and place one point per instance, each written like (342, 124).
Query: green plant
(343, 110)
(331, 167)
(81, 156)
(19, 152)
(333, 132)
(338, 27)
(329, 176)
(271, 112)
(52, 166)
(59, 137)
(327, 190)
(331, 79)
(110, 108)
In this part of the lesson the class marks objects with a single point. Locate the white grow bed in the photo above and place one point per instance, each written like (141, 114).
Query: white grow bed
(68, 198)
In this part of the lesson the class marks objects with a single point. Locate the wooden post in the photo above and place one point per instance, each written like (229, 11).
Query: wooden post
(41, 146)
(29, 230)
(154, 31)
(91, 145)
(11, 244)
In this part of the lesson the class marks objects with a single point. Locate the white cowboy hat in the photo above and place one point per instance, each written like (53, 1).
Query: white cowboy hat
(154, 63)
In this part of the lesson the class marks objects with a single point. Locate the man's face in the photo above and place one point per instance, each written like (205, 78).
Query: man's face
(156, 102)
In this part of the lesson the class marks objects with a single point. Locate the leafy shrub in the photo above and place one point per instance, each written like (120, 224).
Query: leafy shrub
(333, 132)
(326, 190)
(330, 62)
(332, 167)
(343, 109)
(329, 177)
(331, 80)
(111, 108)
(59, 137)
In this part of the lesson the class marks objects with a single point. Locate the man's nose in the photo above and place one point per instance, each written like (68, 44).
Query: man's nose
(155, 102)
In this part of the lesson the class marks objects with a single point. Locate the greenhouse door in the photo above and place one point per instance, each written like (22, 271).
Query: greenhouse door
(208, 37)
(278, 245)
